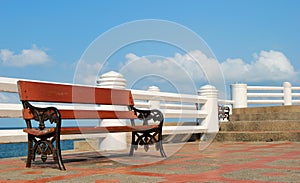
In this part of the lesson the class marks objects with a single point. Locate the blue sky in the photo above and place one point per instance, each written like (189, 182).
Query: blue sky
(255, 42)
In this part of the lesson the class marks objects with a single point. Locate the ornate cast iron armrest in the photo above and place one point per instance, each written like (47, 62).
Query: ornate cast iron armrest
(42, 115)
(153, 136)
(146, 116)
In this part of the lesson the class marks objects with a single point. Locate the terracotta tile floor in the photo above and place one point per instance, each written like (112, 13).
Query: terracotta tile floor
(220, 162)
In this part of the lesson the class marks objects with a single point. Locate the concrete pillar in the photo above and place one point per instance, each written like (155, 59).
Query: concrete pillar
(239, 95)
(154, 102)
(113, 141)
(287, 93)
(211, 122)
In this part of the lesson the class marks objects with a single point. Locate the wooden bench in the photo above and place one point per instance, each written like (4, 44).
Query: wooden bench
(44, 124)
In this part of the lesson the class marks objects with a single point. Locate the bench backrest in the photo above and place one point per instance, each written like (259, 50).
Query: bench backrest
(63, 93)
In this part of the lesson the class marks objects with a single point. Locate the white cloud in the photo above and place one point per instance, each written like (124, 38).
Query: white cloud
(183, 71)
(267, 66)
(193, 69)
(87, 73)
(31, 56)
(189, 65)
(177, 68)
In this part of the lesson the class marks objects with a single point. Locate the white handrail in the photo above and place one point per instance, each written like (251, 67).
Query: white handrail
(265, 95)
(265, 101)
(8, 85)
(265, 88)
(166, 96)
(260, 95)
(173, 105)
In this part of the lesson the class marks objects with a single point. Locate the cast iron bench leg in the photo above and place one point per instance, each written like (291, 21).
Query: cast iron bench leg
(30, 151)
(161, 148)
(58, 155)
(137, 139)
(134, 145)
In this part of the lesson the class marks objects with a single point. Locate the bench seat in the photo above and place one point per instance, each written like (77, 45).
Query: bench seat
(106, 129)
(38, 133)
(86, 130)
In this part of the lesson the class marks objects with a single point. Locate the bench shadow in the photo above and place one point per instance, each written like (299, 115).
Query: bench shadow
(97, 157)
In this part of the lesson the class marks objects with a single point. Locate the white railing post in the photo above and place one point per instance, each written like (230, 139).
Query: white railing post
(287, 93)
(154, 103)
(112, 79)
(239, 95)
(211, 122)
(115, 141)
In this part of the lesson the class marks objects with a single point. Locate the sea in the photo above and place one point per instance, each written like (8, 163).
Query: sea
(20, 149)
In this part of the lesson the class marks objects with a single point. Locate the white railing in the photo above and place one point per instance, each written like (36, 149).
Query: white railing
(201, 109)
(244, 95)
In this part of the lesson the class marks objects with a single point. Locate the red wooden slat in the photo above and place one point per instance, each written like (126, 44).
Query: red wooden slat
(85, 130)
(102, 129)
(37, 132)
(88, 114)
(27, 114)
(62, 93)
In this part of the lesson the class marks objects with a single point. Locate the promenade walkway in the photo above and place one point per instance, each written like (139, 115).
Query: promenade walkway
(255, 162)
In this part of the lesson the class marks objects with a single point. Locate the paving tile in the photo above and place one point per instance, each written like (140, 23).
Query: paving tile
(220, 162)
